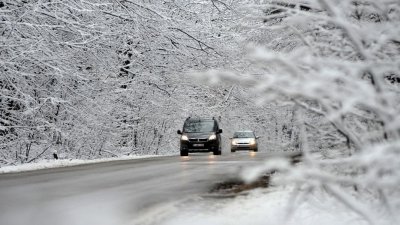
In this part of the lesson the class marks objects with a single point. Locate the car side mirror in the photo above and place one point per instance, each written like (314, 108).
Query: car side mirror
(219, 131)
(179, 132)
(257, 137)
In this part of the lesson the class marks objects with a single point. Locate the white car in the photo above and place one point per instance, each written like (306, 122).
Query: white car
(244, 140)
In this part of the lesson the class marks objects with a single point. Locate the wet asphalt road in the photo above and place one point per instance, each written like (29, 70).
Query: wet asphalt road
(112, 192)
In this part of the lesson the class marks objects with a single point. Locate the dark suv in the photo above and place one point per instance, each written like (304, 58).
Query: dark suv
(200, 135)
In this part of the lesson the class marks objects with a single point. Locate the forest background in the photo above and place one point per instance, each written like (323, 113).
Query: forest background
(93, 79)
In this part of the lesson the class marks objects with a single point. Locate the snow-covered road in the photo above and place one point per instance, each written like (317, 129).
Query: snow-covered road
(118, 192)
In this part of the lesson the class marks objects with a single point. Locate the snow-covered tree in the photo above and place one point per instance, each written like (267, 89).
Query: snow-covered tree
(99, 78)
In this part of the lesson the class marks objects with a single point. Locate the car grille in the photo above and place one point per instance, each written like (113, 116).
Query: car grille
(198, 139)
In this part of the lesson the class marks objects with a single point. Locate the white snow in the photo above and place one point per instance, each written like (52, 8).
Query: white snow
(272, 206)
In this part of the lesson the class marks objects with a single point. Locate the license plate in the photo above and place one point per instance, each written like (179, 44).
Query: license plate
(198, 145)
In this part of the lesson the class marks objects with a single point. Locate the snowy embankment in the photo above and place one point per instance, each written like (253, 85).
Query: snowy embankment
(272, 206)
(48, 164)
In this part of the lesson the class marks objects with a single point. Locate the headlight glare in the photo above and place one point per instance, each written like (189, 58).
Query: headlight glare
(184, 138)
(212, 137)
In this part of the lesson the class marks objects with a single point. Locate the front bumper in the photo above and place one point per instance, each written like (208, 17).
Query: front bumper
(244, 147)
(197, 146)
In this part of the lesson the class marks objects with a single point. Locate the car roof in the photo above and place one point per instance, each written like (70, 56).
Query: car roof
(244, 131)
(200, 119)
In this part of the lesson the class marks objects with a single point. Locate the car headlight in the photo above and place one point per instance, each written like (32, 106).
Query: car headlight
(184, 138)
(234, 142)
(252, 141)
(212, 137)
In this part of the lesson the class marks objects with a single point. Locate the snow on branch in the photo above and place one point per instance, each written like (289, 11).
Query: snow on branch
(334, 61)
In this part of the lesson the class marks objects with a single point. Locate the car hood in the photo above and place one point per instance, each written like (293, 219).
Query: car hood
(243, 140)
(199, 135)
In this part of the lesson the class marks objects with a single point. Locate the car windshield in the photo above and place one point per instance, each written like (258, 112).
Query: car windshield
(198, 126)
(243, 135)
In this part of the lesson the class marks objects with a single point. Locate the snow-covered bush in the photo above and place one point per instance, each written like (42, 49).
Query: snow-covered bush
(337, 63)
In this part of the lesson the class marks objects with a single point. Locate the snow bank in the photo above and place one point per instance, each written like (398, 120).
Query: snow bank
(265, 207)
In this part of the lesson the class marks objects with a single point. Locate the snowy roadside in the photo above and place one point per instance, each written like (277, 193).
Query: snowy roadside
(272, 206)
(51, 163)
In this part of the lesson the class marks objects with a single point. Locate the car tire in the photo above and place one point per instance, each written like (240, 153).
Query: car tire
(184, 153)
(218, 152)
(233, 150)
(255, 150)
